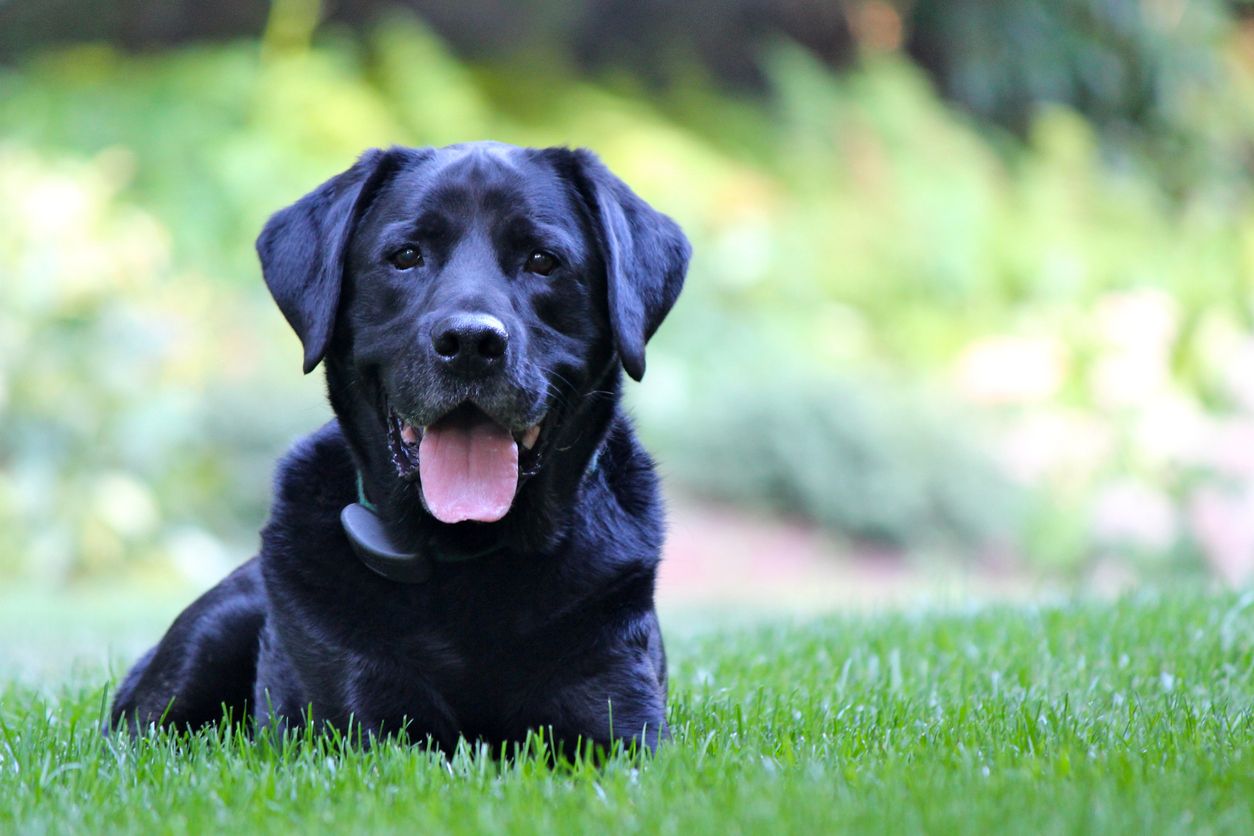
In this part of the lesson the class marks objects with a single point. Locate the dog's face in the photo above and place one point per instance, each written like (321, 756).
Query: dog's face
(468, 301)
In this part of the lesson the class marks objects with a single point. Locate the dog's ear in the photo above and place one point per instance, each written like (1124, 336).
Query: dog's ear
(646, 257)
(302, 249)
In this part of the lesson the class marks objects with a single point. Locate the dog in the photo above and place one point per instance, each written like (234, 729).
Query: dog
(469, 549)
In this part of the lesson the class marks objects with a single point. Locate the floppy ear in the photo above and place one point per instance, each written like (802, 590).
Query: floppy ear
(302, 249)
(646, 256)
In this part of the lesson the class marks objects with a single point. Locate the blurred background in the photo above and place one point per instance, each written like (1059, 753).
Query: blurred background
(970, 313)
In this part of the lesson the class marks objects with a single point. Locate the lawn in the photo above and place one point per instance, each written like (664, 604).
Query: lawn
(1132, 716)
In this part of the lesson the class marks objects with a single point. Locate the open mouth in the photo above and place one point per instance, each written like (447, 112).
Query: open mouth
(469, 464)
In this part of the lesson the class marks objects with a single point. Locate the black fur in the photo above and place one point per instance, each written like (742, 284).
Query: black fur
(542, 620)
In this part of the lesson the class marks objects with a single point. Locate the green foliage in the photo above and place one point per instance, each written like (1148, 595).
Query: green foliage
(1126, 717)
(122, 377)
(1147, 75)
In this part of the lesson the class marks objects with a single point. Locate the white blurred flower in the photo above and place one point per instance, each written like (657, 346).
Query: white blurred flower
(1011, 369)
(125, 504)
(1057, 444)
(1145, 319)
(1170, 429)
(58, 204)
(1126, 378)
(1237, 372)
(200, 556)
(1135, 331)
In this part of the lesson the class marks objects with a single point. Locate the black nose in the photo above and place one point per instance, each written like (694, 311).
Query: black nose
(470, 344)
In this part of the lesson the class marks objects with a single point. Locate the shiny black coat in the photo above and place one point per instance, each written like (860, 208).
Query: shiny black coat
(541, 621)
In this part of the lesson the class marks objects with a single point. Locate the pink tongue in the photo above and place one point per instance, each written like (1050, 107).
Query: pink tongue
(469, 472)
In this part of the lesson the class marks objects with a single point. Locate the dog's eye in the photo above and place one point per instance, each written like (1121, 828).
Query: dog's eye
(541, 262)
(405, 257)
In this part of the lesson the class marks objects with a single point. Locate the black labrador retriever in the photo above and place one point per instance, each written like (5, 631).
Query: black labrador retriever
(469, 548)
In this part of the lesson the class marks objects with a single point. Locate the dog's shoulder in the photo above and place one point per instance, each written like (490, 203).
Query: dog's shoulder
(620, 514)
(313, 481)
(317, 473)
(630, 472)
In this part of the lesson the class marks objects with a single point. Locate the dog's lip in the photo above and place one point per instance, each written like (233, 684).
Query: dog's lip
(405, 438)
(411, 432)
(403, 442)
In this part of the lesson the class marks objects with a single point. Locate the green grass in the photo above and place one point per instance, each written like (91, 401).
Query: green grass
(1134, 716)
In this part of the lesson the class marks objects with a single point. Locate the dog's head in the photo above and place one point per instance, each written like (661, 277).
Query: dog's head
(471, 304)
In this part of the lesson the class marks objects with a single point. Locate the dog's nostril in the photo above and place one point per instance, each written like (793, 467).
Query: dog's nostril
(492, 344)
(446, 344)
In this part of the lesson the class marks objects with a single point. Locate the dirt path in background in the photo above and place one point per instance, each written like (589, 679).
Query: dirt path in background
(720, 556)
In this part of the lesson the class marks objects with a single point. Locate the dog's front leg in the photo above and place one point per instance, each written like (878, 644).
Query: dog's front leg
(624, 701)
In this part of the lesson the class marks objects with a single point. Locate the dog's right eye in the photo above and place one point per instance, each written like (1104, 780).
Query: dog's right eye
(405, 258)
(541, 262)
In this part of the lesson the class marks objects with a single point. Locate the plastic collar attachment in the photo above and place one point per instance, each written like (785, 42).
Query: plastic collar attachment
(373, 545)
(375, 548)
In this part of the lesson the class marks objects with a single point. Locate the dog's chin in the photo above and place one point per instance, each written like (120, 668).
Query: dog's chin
(468, 464)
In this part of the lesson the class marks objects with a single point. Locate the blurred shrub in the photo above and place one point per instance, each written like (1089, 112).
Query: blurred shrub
(122, 441)
(1146, 73)
(874, 466)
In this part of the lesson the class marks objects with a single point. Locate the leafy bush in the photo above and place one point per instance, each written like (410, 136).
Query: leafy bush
(869, 464)
(1146, 75)
(122, 384)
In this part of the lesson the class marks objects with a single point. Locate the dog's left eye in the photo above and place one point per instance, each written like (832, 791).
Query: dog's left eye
(541, 262)
(406, 257)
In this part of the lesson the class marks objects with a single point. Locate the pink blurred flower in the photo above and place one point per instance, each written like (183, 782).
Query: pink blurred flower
(1132, 513)
(1228, 447)
(1223, 525)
